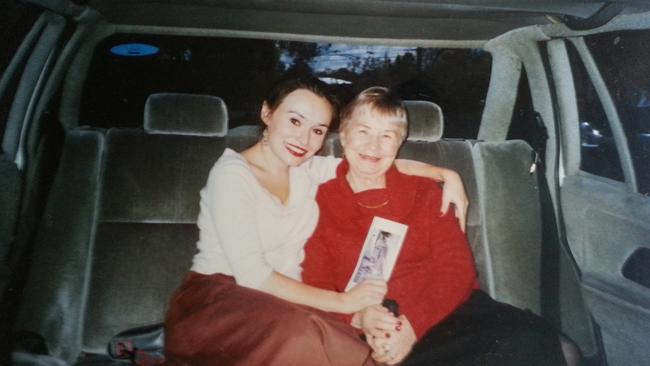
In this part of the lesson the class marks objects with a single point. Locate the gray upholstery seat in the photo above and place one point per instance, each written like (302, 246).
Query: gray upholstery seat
(120, 226)
(504, 220)
(119, 230)
(242, 137)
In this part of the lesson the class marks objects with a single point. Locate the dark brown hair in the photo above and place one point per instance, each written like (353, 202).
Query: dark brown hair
(285, 87)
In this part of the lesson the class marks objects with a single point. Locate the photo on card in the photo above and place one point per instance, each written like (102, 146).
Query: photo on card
(380, 251)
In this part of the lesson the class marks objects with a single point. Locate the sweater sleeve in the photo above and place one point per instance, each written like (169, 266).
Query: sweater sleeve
(230, 202)
(322, 168)
(317, 268)
(434, 291)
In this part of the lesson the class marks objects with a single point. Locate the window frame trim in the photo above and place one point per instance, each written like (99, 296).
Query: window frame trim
(30, 85)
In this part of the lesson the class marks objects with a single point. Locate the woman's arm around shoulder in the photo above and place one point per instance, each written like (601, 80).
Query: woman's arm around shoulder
(230, 200)
(453, 190)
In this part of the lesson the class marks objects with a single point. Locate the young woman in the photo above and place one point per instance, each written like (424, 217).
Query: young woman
(243, 302)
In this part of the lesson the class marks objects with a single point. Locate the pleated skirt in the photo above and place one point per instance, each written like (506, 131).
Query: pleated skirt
(213, 321)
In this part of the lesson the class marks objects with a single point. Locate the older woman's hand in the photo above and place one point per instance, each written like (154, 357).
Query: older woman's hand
(375, 321)
(393, 349)
(453, 191)
(367, 293)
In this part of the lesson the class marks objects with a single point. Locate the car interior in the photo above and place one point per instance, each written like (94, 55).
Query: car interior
(113, 112)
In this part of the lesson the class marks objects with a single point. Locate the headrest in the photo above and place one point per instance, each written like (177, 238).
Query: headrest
(425, 120)
(185, 114)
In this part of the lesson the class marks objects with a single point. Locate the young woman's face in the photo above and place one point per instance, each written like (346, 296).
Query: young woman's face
(370, 142)
(297, 127)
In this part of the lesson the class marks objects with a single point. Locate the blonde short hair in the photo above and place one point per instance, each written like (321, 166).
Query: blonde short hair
(381, 100)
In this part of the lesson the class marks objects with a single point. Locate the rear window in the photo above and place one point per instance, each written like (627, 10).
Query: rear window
(126, 68)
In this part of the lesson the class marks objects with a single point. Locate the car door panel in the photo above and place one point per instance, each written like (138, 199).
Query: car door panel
(606, 225)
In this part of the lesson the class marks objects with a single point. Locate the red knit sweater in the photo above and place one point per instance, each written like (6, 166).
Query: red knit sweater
(434, 273)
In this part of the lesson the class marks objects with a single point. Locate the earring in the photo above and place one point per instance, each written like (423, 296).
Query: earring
(265, 137)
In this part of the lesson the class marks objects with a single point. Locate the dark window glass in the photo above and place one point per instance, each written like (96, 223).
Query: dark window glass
(16, 19)
(622, 58)
(598, 148)
(523, 125)
(241, 70)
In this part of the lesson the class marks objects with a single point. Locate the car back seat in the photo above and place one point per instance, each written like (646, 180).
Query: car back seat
(119, 230)
(243, 137)
(503, 225)
(120, 225)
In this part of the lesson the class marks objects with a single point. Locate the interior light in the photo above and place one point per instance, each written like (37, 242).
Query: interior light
(134, 50)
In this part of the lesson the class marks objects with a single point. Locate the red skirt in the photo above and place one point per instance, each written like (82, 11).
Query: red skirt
(213, 321)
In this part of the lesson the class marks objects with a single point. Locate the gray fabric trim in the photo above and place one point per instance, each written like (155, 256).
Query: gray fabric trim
(501, 96)
(511, 229)
(332, 145)
(620, 22)
(185, 114)
(409, 41)
(509, 51)
(564, 86)
(27, 92)
(136, 267)
(155, 178)
(11, 72)
(243, 137)
(370, 26)
(55, 80)
(624, 326)
(53, 303)
(425, 120)
(605, 225)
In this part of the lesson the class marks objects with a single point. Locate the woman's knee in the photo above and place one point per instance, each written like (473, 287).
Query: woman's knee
(313, 339)
(298, 325)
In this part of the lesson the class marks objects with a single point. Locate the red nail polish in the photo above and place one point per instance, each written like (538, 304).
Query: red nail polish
(398, 327)
(387, 335)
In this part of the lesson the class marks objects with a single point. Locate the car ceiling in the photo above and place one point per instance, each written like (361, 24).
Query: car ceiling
(397, 19)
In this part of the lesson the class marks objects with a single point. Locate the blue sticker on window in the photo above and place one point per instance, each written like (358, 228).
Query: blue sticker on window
(134, 50)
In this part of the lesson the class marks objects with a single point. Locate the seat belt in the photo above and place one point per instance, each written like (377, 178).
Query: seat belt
(550, 265)
(142, 346)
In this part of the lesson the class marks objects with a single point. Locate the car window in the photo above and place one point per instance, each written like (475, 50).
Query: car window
(622, 59)
(598, 154)
(126, 68)
(523, 124)
(16, 19)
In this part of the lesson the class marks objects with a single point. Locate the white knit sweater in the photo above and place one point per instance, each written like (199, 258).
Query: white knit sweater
(245, 231)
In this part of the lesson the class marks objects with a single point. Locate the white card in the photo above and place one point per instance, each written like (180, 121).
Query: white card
(379, 252)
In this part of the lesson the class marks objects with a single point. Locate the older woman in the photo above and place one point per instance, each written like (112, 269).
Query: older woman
(444, 318)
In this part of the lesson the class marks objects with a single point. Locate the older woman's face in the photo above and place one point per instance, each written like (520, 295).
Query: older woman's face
(370, 142)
